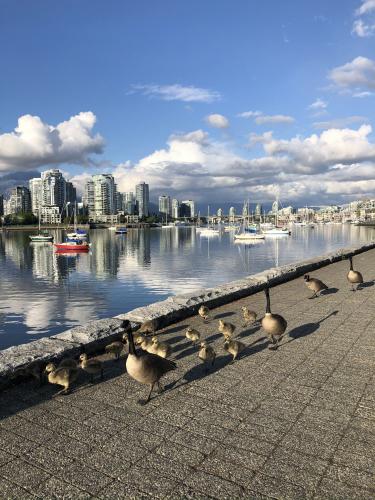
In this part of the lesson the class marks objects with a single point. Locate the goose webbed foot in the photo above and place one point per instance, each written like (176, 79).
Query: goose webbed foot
(143, 402)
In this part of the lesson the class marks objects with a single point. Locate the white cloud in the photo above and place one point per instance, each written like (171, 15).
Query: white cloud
(249, 114)
(34, 143)
(363, 94)
(362, 29)
(261, 119)
(340, 122)
(357, 74)
(318, 104)
(177, 92)
(366, 7)
(333, 166)
(217, 121)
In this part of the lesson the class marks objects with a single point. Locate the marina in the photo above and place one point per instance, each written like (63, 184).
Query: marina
(45, 291)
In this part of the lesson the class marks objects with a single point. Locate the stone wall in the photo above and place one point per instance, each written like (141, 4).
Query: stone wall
(93, 336)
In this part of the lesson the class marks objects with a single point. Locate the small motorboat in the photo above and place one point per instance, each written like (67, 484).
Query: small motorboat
(43, 237)
(72, 246)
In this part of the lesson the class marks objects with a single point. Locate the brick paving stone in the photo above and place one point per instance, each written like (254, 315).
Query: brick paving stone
(23, 474)
(47, 459)
(277, 488)
(119, 490)
(11, 491)
(214, 486)
(334, 490)
(85, 478)
(55, 488)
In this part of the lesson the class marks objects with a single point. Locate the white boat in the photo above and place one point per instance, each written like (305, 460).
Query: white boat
(112, 228)
(248, 232)
(277, 231)
(208, 230)
(42, 236)
(76, 234)
(249, 236)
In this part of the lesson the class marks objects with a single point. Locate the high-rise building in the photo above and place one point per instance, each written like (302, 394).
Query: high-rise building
(275, 207)
(187, 208)
(53, 189)
(1, 205)
(19, 201)
(142, 199)
(36, 192)
(105, 202)
(165, 206)
(129, 203)
(219, 213)
(88, 198)
(120, 198)
(175, 208)
(258, 210)
(232, 212)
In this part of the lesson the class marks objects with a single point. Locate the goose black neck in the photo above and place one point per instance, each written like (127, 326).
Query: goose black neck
(351, 263)
(268, 306)
(131, 343)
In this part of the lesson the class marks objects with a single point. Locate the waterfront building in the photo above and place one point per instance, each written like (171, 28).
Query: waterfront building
(165, 206)
(175, 208)
(187, 209)
(19, 200)
(129, 203)
(275, 207)
(232, 212)
(142, 197)
(258, 210)
(120, 198)
(53, 189)
(36, 192)
(88, 198)
(1, 205)
(105, 198)
(219, 213)
(50, 214)
(245, 209)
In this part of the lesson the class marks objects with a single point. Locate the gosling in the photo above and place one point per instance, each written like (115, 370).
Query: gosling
(234, 347)
(315, 285)
(115, 348)
(144, 343)
(227, 329)
(207, 355)
(204, 312)
(91, 366)
(146, 368)
(63, 376)
(161, 349)
(354, 277)
(193, 335)
(273, 324)
(249, 316)
(148, 327)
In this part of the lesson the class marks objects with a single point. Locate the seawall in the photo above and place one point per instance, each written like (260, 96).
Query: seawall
(93, 336)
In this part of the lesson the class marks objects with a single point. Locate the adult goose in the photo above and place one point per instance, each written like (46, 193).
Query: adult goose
(354, 277)
(146, 368)
(273, 324)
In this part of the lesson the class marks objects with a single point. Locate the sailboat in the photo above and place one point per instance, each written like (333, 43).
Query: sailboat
(209, 231)
(248, 232)
(41, 237)
(77, 234)
(276, 230)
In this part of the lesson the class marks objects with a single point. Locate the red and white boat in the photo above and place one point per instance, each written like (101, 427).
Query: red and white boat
(72, 246)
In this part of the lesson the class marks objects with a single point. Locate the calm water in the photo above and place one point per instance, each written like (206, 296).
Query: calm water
(43, 293)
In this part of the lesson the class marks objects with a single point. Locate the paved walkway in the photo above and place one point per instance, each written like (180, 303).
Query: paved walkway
(298, 422)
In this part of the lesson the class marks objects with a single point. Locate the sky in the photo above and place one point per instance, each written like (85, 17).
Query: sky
(214, 100)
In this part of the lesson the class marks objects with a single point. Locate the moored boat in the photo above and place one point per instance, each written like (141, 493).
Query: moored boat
(121, 230)
(72, 246)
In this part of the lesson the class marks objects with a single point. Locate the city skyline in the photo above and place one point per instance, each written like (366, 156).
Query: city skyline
(268, 98)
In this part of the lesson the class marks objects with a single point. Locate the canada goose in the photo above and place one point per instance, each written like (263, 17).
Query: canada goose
(273, 324)
(136, 336)
(249, 316)
(160, 348)
(354, 277)
(145, 343)
(234, 347)
(207, 355)
(91, 366)
(204, 312)
(115, 348)
(193, 335)
(149, 326)
(68, 363)
(63, 376)
(314, 285)
(146, 368)
(226, 329)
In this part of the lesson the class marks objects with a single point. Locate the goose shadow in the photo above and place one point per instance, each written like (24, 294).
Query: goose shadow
(224, 315)
(366, 284)
(186, 352)
(249, 331)
(213, 337)
(199, 371)
(329, 291)
(306, 329)
(174, 329)
(175, 340)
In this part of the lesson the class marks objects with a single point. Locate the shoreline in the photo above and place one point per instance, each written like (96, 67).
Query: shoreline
(93, 336)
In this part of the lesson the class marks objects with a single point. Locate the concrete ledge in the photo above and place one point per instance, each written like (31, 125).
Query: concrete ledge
(96, 334)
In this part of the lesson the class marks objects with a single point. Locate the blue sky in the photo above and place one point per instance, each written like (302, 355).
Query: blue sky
(146, 75)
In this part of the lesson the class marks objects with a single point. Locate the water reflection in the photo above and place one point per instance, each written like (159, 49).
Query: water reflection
(43, 293)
